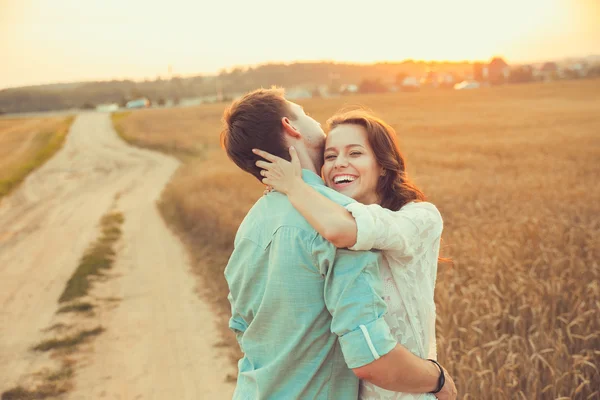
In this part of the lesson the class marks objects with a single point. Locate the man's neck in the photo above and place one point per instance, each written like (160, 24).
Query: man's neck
(307, 162)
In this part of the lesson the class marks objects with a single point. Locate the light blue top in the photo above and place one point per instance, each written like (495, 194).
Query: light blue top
(304, 312)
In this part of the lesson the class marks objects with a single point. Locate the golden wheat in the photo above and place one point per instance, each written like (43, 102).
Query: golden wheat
(513, 171)
(25, 144)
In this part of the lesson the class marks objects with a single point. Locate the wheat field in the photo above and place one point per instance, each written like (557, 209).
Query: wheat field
(513, 171)
(26, 143)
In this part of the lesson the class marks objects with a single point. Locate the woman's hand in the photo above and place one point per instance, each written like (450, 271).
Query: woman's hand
(280, 174)
(448, 391)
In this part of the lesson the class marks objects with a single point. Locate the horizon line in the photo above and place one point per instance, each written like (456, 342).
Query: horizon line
(307, 61)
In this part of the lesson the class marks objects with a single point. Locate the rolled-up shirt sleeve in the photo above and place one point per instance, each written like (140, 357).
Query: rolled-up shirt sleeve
(353, 296)
(236, 323)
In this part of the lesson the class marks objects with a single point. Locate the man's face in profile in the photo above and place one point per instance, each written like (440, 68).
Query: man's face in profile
(314, 137)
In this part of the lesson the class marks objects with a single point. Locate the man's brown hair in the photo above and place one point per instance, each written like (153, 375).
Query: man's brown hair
(254, 122)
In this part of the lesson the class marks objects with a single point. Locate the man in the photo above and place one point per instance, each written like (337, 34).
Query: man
(308, 317)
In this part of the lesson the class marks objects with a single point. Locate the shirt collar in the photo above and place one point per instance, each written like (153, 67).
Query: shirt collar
(311, 178)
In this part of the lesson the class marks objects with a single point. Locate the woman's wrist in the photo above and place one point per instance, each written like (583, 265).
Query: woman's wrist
(296, 187)
(441, 379)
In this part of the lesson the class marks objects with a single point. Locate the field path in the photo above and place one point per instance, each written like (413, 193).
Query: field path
(159, 339)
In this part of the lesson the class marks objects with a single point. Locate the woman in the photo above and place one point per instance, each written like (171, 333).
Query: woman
(362, 160)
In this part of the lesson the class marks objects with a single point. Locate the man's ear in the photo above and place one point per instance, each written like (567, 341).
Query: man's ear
(290, 129)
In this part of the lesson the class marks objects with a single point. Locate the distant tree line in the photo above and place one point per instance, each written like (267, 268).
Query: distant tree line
(89, 94)
(224, 85)
(372, 78)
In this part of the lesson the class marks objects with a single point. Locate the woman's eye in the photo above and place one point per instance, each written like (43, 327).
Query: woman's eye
(330, 157)
(355, 153)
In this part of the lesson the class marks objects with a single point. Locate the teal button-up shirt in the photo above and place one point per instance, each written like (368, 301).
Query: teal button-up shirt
(304, 312)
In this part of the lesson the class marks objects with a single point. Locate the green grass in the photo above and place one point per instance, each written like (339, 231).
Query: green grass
(57, 326)
(55, 141)
(77, 307)
(100, 256)
(20, 393)
(44, 391)
(64, 373)
(55, 384)
(69, 341)
(116, 118)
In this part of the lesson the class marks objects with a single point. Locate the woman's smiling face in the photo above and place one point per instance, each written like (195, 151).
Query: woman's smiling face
(350, 165)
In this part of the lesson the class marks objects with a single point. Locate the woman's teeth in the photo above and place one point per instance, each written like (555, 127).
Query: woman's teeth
(344, 179)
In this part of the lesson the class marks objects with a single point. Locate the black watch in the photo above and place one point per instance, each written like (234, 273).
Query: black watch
(441, 380)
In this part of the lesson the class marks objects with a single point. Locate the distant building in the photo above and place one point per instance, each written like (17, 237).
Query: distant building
(410, 84)
(578, 70)
(107, 107)
(138, 103)
(190, 101)
(446, 80)
(468, 84)
(298, 93)
(435, 79)
(324, 91)
(349, 88)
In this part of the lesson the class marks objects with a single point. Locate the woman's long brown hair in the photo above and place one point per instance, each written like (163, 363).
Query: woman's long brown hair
(394, 189)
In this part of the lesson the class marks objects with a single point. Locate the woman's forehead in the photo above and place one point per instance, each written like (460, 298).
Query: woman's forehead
(345, 135)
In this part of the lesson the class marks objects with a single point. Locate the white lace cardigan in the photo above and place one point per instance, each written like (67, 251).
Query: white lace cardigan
(410, 244)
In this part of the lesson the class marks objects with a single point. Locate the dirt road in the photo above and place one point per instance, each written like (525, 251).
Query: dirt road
(159, 339)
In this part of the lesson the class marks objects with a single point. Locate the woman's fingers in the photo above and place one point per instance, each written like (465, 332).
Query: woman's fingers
(270, 168)
(295, 160)
(265, 155)
(264, 164)
(275, 176)
(270, 173)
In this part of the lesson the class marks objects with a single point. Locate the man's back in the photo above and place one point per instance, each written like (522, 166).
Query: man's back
(283, 297)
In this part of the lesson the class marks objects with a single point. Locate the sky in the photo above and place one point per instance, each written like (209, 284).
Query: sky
(50, 41)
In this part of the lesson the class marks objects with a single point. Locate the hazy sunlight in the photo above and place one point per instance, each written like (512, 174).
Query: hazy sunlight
(67, 40)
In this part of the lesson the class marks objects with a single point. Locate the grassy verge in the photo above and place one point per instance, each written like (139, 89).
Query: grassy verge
(183, 153)
(98, 257)
(54, 383)
(117, 117)
(77, 308)
(68, 342)
(54, 141)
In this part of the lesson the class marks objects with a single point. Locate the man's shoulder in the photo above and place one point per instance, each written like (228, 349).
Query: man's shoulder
(274, 211)
(269, 214)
